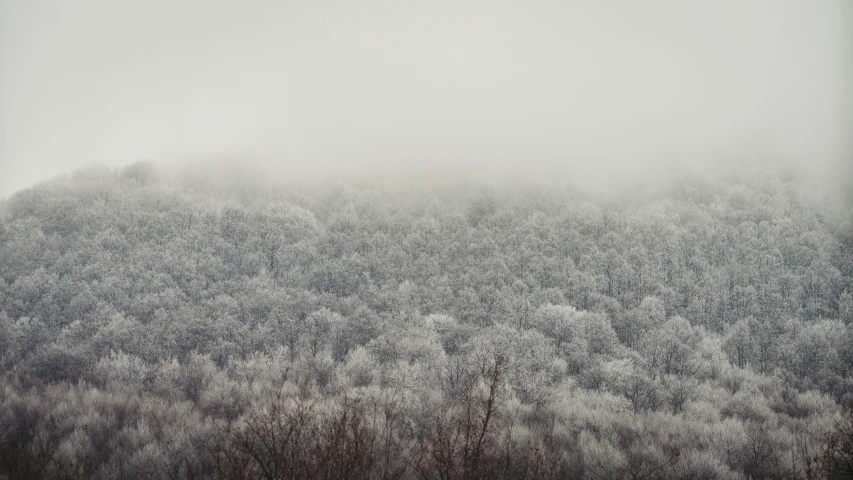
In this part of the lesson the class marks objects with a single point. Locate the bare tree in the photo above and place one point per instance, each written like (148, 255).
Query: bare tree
(836, 460)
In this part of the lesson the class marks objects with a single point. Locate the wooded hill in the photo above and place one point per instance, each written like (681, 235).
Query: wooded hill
(197, 325)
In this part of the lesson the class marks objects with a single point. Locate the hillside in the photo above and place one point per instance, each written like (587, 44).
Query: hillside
(158, 325)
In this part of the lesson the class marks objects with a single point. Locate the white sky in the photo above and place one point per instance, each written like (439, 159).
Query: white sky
(600, 86)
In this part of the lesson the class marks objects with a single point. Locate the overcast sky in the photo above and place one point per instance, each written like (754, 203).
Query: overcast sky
(597, 85)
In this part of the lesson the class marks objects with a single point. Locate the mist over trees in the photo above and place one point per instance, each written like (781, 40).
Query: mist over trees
(225, 325)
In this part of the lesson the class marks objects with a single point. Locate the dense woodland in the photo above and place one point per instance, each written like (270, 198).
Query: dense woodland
(224, 325)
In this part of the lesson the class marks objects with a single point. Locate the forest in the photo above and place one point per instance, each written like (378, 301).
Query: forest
(159, 324)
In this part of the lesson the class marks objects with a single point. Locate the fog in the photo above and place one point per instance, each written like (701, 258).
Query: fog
(601, 90)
